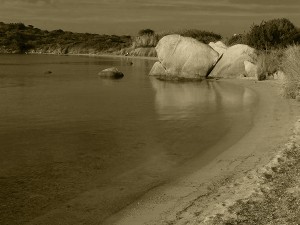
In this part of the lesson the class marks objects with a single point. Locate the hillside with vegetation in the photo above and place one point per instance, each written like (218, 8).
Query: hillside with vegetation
(18, 38)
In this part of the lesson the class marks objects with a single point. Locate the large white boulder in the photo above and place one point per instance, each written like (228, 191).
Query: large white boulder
(231, 65)
(183, 57)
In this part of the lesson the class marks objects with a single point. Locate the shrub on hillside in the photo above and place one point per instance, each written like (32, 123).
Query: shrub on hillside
(145, 41)
(146, 32)
(270, 34)
(291, 67)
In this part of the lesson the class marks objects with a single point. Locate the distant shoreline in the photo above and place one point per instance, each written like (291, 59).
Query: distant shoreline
(115, 56)
(91, 55)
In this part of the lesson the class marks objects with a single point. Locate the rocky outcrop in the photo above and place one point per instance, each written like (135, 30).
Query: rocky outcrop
(218, 46)
(231, 65)
(112, 73)
(183, 57)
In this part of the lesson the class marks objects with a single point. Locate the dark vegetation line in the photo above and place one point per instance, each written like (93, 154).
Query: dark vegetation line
(19, 38)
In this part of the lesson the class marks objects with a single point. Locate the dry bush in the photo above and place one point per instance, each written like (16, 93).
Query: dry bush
(291, 67)
(268, 63)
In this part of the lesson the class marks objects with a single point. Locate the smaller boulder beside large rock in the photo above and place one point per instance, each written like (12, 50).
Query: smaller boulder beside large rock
(231, 65)
(251, 69)
(112, 73)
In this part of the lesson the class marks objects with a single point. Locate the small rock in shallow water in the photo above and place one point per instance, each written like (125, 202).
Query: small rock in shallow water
(48, 72)
(112, 73)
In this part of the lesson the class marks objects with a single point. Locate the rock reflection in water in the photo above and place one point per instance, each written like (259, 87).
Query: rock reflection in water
(175, 100)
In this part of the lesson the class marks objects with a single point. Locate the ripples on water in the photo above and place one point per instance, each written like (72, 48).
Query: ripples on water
(72, 138)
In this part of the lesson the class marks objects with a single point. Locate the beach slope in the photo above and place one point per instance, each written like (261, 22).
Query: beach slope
(207, 195)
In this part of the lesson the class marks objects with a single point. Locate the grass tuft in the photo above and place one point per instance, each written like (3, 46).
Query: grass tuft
(268, 63)
(291, 67)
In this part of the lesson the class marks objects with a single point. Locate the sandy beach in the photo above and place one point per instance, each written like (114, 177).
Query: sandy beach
(205, 196)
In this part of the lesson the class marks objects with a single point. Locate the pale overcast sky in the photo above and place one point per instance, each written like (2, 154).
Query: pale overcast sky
(128, 16)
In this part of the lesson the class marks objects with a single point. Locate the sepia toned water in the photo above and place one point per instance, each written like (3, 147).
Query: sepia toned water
(75, 148)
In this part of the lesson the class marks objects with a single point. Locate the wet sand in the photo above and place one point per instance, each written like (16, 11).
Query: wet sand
(202, 195)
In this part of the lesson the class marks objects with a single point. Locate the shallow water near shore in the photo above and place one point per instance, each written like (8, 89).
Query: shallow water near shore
(77, 148)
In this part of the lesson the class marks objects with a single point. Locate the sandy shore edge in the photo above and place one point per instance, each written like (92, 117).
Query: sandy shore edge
(208, 195)
(266, 194)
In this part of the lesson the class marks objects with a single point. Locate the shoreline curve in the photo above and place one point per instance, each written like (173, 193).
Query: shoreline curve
(185, 200)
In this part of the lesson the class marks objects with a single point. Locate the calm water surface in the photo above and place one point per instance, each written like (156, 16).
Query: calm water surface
(77, 148)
